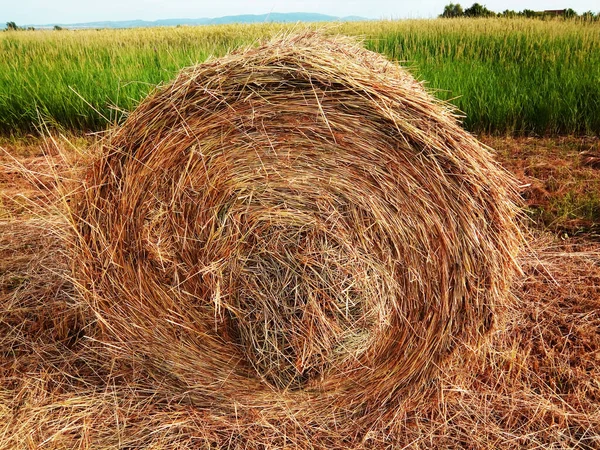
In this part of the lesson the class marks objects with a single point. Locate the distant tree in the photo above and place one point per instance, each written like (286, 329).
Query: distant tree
(477, 10)
(57, 28)
(458, 10)
(11, 26)
(528, 13)
(509, 13)
(452, 10)
(570, 13)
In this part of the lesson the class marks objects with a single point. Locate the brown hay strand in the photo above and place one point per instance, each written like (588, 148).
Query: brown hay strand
(295, 234)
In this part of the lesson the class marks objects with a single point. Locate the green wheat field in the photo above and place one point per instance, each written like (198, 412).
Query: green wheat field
(507, 76)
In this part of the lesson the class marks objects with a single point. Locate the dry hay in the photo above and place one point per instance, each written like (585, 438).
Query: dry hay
(536, 385)
(296, 231)
(283, 247)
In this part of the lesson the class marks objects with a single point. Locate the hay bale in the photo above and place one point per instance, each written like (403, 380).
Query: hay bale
(297, 229)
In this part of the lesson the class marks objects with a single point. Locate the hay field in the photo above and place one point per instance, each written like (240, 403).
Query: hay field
(103, 343)
(507, 76)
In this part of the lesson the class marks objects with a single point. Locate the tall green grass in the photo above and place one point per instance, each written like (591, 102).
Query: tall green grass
(506, 75)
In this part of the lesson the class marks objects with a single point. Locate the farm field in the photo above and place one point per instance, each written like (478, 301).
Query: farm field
(509, 76)
(537, 384)
(529, 89)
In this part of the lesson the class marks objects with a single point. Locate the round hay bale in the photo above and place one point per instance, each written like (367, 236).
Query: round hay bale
(298, 228)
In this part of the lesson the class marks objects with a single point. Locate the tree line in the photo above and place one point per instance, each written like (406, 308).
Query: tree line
(12, 26)
(477, 10)
(453, 10)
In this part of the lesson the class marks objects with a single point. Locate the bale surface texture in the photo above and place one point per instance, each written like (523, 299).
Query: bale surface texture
(297, 229)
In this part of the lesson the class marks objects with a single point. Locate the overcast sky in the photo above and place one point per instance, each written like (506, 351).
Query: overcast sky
(70, 11)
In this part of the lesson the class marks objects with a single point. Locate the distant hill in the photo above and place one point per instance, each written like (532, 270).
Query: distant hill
(244, 18)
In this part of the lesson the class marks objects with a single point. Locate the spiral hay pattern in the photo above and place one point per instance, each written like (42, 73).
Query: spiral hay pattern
(297, 229)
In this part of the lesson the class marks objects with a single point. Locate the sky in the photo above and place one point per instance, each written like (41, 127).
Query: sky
(40, 12)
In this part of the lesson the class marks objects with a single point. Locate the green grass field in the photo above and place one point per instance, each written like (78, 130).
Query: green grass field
(513, 76)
